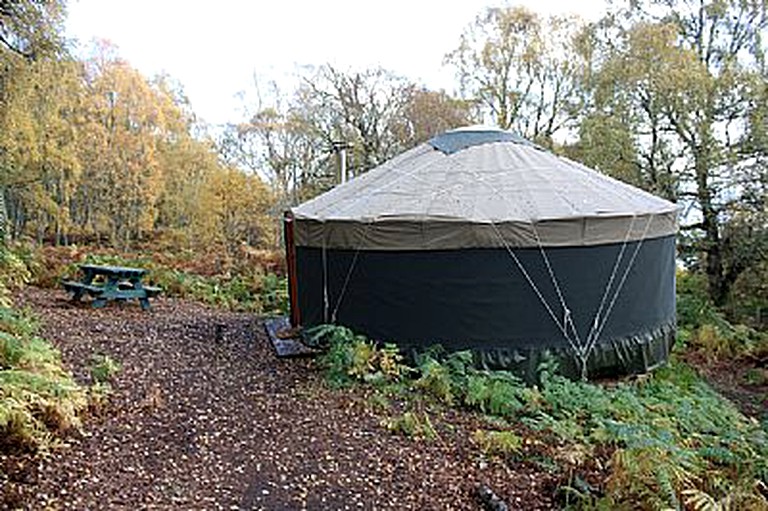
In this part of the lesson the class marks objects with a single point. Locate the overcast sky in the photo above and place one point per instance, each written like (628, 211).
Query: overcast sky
(214, 48)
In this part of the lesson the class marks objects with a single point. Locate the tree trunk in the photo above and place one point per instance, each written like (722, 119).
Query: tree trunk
(3, 219)
(718, 286)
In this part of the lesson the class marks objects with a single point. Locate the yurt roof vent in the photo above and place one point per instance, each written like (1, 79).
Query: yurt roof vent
(456, 140)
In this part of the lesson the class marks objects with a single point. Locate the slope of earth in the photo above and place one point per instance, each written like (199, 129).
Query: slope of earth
(743, 381)
(204, 416)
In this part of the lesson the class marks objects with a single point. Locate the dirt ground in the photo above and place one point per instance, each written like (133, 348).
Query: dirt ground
(204, 416)
(731, 378)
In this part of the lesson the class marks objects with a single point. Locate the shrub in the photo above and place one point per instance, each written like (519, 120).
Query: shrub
(338, 358)
(103, 368)
(672, 431)
(435, 380)
(351, 357)
(443, 380)
(13, 274)
(38, 398)
(502, 443)
(704, 328)
(499, 393)
(409, 424)
(36, 405)
(274, 294)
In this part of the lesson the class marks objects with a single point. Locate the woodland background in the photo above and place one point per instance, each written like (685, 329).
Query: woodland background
(669, 95)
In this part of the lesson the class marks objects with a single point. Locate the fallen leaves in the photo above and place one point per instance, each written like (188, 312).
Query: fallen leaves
(201, 420)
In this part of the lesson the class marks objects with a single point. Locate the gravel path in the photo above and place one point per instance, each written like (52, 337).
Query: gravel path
(204, 416)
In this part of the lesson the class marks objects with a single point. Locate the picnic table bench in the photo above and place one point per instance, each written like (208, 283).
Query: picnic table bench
(106, 283)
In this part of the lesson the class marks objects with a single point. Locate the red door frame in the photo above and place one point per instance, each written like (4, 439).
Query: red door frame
(290, 259)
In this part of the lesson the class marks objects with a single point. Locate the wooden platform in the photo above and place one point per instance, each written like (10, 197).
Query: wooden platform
(286, 343)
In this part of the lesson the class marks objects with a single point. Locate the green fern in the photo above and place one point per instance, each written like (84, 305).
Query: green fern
(674, 439)
(436, 381)
(38, 398)
(409, 424)
(103, 368)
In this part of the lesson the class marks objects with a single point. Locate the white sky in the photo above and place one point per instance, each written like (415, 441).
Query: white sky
(214, 49)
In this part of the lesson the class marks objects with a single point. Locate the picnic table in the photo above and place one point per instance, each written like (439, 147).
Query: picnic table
(106, 283)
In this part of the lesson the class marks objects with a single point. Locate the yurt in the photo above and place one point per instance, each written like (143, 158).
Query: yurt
(480, 240)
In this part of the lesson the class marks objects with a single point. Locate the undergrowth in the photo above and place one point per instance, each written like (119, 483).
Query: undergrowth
(704, 329)
(674, 442)
(245, 285)
(103, 368)
(38, 398)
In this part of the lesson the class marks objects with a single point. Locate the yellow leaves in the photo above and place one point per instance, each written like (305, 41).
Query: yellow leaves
(509, 35)
(500, 443)
(363, 356)
(655, 57)
(650, 474)
(738, 498)
(657, 62)
(38, 139)
(516, 20)
(95, 148)
(391, 362)
(427, 113)
(129, 125)
(232, 209)
(523, 69)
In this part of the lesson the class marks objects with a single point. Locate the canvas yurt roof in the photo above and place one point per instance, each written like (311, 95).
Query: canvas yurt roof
(480, 187)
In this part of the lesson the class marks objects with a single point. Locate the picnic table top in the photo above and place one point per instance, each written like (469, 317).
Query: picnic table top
(107, 269)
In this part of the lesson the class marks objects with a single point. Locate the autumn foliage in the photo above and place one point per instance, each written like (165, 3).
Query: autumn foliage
(92, 151)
